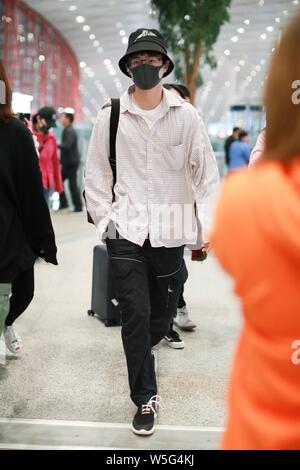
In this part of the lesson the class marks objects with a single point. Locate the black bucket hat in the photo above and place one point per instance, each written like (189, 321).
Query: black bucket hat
(145, 40)
(49, 114)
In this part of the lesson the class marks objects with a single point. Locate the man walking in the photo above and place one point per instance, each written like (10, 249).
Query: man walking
(229, 141)
(70, 161)
(164, 163)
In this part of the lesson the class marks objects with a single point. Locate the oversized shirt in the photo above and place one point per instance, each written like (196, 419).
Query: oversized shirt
(161, 172)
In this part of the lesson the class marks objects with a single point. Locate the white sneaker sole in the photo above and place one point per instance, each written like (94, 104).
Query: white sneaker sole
(142, 432)
(175, 345)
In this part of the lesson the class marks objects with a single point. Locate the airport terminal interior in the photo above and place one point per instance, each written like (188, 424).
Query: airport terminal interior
(67, 388)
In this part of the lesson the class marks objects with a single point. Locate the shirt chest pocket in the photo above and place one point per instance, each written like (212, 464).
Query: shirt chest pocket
(173, 156)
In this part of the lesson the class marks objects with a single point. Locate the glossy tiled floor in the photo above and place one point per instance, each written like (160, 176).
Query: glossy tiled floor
(72, 367)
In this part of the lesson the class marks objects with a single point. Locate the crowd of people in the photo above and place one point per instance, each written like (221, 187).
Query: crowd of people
(164, 194)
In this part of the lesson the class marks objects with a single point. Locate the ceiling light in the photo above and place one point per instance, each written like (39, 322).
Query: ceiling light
(86, 28)
(263, 36)
(237, 69)
(106, 62)
(296, 2)
(73, 7)
(96, 43)
(42, 58)
(285, 12)
(240, 30)
(80, 19)
(122, 32)
(82, 65)
(227, 52)
(270, 28)
(247, 22)
(261, 3)
(125, 40)
(277, 20)
(234, 39)
(92, 37)
(242, 62)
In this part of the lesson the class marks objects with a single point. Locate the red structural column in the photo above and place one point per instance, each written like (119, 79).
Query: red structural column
(53, 81)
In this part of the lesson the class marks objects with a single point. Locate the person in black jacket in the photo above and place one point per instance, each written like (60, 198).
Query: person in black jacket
(232, 138)
(26, 230)
(70, 160)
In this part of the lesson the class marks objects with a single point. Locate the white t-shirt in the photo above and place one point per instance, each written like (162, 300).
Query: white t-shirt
(150, 116)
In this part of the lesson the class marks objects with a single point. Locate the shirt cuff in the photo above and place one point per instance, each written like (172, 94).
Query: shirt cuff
(102, 228)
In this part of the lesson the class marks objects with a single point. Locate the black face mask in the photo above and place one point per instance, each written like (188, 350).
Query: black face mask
(146, 76)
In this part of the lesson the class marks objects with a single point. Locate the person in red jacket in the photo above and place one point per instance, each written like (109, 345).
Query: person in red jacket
(43, 121)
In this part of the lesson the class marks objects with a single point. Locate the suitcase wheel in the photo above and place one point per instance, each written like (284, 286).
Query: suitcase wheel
(91, 313)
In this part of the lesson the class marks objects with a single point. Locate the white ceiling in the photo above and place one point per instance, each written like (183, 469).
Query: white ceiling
(224, 86)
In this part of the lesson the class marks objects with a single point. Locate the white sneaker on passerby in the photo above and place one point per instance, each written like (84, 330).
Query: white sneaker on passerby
(12, 339)
(183, 321)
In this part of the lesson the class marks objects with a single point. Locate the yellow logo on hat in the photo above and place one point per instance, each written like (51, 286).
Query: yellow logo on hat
(146, 32)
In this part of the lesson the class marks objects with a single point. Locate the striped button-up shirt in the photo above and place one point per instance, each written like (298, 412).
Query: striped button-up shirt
(161, 173)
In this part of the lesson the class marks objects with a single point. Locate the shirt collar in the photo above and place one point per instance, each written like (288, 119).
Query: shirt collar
(169, 100)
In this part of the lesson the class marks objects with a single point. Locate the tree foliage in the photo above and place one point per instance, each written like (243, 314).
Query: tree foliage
(191, 28)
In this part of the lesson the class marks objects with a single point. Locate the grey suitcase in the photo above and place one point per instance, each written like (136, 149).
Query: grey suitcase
(104, 302)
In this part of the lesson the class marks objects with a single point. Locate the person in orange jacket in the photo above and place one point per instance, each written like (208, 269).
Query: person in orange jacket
(43, 121)
(257, 240)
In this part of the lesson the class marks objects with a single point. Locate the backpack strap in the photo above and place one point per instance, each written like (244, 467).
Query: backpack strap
(113, 129)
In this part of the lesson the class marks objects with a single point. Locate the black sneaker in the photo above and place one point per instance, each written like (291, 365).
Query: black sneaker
(173, 339)
(143, 422)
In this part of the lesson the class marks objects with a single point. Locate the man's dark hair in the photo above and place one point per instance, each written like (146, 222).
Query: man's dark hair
(242, 134)
(35, 119)
(70, 117)
(235, 129)
(181, 89)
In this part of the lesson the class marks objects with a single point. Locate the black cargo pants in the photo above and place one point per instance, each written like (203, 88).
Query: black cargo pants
(148, 282)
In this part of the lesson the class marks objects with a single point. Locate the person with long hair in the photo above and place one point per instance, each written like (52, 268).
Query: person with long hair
(26, 230)
(257, 240)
